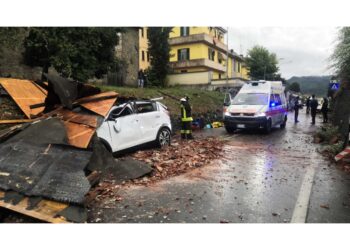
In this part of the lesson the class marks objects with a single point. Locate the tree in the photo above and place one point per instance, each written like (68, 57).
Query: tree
(78, 53)
(341, 55)
(340, 62)
(261, 63)
(159, 50)
(295, 86)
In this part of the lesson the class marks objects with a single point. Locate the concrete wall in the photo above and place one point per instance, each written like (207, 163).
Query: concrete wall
(195, 78)
(128, 51)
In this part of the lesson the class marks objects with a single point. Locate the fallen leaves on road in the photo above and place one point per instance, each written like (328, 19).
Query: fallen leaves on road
(179, 158)
(325, 206)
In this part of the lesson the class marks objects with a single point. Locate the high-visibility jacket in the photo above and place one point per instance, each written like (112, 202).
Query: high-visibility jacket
(186, 115)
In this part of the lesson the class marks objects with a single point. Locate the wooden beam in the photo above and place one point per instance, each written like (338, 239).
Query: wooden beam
(46, 210)
(15, 121)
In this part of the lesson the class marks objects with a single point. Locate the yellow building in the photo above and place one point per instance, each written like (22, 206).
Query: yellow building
(144, 60)
(201, 53)
(198, 56)
(196, 49)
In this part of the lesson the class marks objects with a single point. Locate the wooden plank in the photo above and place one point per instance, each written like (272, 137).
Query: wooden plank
(79, 135)
(25, 93)
(99, 106)
(15, 121)
(46, 210)
(70, 116)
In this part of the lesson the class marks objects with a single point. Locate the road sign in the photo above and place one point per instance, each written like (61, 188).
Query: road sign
(333, 85)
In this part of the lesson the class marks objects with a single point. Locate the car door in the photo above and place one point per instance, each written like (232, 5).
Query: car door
(124, 128)
(150, 120)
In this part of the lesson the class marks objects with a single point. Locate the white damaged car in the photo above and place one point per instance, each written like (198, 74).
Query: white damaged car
(135, 123)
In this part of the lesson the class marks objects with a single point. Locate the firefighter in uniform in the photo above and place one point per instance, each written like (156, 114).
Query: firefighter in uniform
(186, 119)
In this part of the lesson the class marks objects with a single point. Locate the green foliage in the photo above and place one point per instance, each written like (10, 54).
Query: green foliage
(159, 50)
(201, 100)
(262, 64)
(295, 86)
(333, 149)
(341, 55)
(78, 53)
(327, 133)
(11, 37)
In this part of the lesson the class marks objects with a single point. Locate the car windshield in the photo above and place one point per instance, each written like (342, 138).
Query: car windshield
(250, 99)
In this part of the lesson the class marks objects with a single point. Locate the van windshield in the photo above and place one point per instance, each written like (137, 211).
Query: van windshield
(250, 99)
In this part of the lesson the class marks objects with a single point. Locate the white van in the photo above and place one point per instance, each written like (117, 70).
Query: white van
(258, 104)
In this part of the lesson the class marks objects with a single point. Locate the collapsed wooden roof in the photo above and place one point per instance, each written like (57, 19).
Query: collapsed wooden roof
(80, 127)
(25, 93)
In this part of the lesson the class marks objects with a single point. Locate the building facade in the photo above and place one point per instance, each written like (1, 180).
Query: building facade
(199, 57)
(144, 59)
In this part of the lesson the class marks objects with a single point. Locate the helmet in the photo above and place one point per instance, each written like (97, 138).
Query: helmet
(182, 99)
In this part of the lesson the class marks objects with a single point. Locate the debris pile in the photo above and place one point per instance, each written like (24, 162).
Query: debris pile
(51, 155)
(179, 157)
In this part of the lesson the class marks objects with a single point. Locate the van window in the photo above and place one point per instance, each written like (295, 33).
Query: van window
(250, 99)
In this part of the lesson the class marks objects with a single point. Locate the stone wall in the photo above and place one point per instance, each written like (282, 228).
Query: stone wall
(11, 61)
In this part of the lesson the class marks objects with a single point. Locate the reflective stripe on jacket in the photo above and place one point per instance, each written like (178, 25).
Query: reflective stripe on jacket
(184, 117)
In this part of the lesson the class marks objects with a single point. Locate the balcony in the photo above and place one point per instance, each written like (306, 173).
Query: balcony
(198, 63)
(199, 38)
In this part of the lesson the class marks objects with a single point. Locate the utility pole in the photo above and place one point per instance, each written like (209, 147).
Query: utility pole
(227, 58)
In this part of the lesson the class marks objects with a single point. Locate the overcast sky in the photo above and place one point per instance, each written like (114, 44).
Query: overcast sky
(304, 50)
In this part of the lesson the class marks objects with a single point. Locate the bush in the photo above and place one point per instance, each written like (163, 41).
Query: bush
(328, 134)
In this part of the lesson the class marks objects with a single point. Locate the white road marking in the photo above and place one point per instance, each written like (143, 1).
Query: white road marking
(301, 207)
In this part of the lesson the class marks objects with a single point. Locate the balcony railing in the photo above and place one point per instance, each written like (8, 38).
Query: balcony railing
(197, 38)
(198, 63)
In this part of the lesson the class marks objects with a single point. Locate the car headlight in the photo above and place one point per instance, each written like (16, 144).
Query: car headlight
(260, 114)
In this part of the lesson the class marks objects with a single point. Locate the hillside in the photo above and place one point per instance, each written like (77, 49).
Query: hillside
(317, 85)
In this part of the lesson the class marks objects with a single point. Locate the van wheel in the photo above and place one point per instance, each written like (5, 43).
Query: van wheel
(230, 130)
(163, 137)
(268, 126)
(283, 125)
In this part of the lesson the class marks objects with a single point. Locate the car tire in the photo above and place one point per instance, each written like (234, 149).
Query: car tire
(283, 125)
(268, 126)
(163, 137)
(230, 129)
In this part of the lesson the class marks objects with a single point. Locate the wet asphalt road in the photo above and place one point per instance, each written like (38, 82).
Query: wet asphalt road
(260, 180)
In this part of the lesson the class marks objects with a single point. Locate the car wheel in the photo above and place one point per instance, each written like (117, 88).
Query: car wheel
(268, 126)
(164, 137)
(230, 130)
(283, 125)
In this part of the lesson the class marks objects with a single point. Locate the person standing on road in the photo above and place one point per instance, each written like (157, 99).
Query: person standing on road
(313, 107)
(186, 119)
(308, 105)
(296, 109)
(324, 109)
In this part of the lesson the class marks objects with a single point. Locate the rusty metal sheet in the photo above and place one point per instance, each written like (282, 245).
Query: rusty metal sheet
(100, 103)
(25, 93)
(79, 135)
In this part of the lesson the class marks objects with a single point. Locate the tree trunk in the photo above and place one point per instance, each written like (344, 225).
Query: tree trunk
(341, 113)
